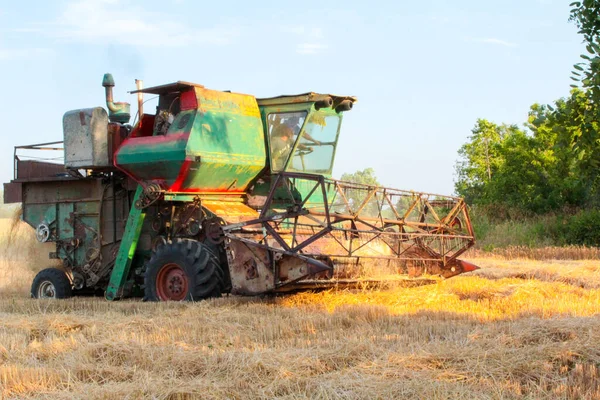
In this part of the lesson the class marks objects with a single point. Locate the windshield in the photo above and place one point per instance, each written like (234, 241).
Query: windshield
(314, 153)
(283, 130)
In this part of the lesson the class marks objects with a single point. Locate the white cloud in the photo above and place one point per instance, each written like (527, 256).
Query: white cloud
(116, 22)
(495, 41)
(21, 54)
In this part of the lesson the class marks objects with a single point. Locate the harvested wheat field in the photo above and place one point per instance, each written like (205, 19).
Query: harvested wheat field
(515, 329)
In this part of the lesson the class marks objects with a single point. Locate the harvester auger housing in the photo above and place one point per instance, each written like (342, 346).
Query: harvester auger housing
(220, 192)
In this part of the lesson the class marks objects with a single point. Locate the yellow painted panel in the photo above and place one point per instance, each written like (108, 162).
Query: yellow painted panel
(231, 212)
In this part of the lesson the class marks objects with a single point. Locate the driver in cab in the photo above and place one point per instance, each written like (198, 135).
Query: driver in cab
(282, 142)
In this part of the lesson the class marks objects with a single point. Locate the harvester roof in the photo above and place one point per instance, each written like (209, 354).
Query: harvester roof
(303, 98)
(174, 87)
(180, 86)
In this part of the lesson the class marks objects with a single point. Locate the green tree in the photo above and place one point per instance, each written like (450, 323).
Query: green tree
(357, 196)
(534, 170)
(365, 177)
(554, 164)
(523, 181)
(587, 73)
(585, 15)
(480, 159)
(570, 174)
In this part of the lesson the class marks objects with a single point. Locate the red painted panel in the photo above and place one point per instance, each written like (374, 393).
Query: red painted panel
(183, 172)
(189, 100)
(145, 128)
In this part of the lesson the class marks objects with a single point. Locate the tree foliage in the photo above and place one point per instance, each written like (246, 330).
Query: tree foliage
(553, 161)
(586, 73)
(365, 177)
(531, 169)
(585, 15)
(356, 196)
(480, 159)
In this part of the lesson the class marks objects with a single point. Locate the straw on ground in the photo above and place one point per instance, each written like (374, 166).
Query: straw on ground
(515, 329)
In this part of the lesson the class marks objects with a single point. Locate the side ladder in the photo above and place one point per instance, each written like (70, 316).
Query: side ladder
(120, 272)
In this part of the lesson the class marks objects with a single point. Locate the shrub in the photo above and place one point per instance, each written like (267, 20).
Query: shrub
(583, 229)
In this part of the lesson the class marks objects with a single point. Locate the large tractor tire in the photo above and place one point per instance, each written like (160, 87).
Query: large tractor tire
(183, 270)
(51, 283)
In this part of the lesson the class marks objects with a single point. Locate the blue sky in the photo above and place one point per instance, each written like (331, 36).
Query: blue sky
(423, 72)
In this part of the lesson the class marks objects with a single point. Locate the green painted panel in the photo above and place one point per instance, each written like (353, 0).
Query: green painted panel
(64, 222)
(153, 157)
(127, 248)
(227, 137)
(35, 214)
(218, 146)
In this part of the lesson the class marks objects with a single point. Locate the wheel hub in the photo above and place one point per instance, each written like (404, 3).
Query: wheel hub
(46, 290)
(172, 283)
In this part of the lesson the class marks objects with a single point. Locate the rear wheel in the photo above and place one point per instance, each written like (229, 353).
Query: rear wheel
(183, 270)
(51, 283)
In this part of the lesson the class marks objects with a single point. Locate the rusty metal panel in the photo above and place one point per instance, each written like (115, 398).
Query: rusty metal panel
(86, 138)
(115, 209)
(12, 192)
(71, 210)
(168, 88)
(58, 191)
(292, 269)
(28, 169)
(249, 269)
(117, 133)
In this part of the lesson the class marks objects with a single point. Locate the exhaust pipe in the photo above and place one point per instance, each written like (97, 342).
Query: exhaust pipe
(139, 84)
(117, 112)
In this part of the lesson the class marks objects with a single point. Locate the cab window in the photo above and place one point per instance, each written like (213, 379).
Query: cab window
(315, 151)
(283, 129)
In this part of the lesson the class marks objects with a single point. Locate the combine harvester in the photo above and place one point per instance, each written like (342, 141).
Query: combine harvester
(220, 192)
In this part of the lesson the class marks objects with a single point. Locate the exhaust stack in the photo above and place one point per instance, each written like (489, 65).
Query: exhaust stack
(117, 112)
(139, 84)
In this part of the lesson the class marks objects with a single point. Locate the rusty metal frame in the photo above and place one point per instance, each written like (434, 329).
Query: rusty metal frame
(428, 227)
(38, 146)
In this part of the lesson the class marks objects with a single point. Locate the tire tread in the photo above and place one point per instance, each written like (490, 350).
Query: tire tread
(195, 258)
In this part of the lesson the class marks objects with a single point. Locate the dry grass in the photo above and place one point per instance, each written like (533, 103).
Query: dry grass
(21, 255)
(515, 329)
(579, 273)
(569, 253)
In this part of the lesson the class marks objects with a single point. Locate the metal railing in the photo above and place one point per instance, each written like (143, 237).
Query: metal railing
(50, 146)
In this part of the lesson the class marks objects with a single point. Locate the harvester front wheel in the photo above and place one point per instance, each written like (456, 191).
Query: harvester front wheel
(183, 270)
(51, 283)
